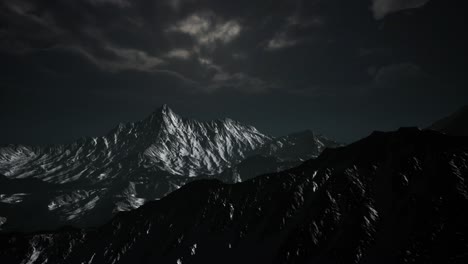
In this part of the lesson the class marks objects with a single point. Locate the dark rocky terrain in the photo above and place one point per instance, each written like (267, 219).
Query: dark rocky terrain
(455, 124)
(394, 197)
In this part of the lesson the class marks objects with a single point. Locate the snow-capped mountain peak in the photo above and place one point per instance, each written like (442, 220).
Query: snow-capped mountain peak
(190, 147)
(164, 140)
(163, 112)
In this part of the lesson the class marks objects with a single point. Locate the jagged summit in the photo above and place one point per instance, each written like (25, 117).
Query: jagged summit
(191, 147)
(161, 112)
(164, 110)
(170, 118)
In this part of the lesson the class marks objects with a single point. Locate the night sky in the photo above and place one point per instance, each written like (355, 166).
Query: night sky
(343, 68)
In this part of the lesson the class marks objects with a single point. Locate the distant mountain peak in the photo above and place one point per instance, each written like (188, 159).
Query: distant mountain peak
(191, 147)
(160, 118)
(163, 110)
(166, 110)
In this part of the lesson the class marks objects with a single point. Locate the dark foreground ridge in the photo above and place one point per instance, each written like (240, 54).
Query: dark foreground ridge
(455, 124)
(396, 197)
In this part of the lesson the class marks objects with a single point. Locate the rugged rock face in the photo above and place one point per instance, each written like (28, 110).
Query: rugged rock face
(455, 124)
(397, 197)
(94, 178)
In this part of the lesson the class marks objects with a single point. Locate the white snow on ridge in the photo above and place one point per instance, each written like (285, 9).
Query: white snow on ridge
(187, 147)
(3, 220)
(12, 198)
(193, 249)
(34, 255)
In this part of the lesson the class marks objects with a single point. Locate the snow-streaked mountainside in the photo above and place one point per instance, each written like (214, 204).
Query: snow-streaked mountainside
(395, 197)
(92, 178)
(164, 141)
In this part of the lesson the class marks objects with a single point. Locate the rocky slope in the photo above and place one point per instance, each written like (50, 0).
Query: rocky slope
(455, 124)
(396, 197)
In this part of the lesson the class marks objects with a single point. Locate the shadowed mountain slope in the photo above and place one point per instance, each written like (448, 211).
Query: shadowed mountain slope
(456, 124)
(393, 197)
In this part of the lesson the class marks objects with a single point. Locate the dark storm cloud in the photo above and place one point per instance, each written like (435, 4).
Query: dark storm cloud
(128, 38)
(318, 60)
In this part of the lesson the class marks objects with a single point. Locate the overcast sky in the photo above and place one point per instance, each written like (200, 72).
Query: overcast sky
(342, 68)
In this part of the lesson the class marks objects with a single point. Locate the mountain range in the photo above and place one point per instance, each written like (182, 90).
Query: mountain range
(224, 192)
(392, 197)
(85, 183)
